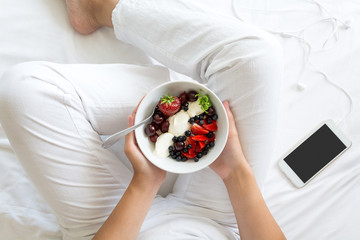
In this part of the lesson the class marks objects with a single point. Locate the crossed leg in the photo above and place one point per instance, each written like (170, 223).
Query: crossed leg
(53, 114)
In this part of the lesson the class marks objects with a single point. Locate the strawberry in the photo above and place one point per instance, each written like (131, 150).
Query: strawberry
(189, 141)
(192, 142)
(200, 138)
(210, 126)
(197, 148)
(189, 155)
(169, 105)
(202, 145)
(198, 130)
(212, 139)
(192, 150)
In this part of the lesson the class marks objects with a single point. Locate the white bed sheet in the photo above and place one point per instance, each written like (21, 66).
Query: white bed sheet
(328, 208)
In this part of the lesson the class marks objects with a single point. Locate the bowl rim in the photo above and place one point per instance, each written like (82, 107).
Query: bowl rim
(226, 127)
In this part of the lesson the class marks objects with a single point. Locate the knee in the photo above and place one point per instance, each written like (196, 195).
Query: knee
(269, 54)
(268, 61)
(262, 50)
(258, 56)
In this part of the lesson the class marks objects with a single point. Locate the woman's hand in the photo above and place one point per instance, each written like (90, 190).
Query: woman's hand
(252, 215)
(232, 156)
(144, 171)
(127, 217)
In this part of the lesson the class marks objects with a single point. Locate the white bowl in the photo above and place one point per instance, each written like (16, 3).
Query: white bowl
(147, 147)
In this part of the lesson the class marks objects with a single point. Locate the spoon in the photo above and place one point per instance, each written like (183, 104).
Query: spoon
(117, 136)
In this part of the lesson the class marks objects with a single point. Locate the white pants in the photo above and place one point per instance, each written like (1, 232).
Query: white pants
(53, 115)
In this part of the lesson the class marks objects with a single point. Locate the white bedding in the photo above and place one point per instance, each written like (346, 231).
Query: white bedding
(328, 208)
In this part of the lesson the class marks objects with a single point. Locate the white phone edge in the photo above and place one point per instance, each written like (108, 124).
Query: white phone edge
(291, 175)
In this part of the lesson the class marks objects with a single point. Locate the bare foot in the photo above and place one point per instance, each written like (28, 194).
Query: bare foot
(82, 15)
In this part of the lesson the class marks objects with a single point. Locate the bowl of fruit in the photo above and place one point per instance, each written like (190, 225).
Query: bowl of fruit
(188, 129)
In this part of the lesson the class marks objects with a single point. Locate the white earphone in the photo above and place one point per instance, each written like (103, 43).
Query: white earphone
(346, 24)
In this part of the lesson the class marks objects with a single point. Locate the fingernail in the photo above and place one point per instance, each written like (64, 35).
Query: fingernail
(129, 120)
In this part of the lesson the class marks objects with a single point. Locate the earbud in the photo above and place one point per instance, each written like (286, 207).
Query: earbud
(347, 23)
(301, 86)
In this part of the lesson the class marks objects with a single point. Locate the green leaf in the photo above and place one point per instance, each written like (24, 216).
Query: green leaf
(204, 101)
(167, 99)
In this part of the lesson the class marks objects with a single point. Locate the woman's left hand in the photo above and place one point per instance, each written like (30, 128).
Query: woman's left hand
(144, 171)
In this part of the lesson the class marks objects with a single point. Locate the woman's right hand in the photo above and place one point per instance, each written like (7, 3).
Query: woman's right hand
(144, 170)
(127, 217)
(232, 156)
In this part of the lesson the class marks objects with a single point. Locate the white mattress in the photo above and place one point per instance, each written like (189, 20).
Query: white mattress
(328, 208)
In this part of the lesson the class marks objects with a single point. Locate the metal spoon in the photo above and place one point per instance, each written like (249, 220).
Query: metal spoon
(117, 136)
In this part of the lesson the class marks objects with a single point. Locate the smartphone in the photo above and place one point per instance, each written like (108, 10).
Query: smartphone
(314, 153)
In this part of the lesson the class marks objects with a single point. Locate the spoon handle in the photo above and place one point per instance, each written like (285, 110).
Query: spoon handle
(117, 136)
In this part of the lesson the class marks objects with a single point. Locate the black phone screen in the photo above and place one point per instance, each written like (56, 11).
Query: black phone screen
(314, 153)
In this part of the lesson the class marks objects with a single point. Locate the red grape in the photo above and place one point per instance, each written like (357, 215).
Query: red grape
(211, 111)
(179, 146)
(183, 97)
(150, 130)
(154, 137)
(164, 126)
(191, 96)
(157, 118)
